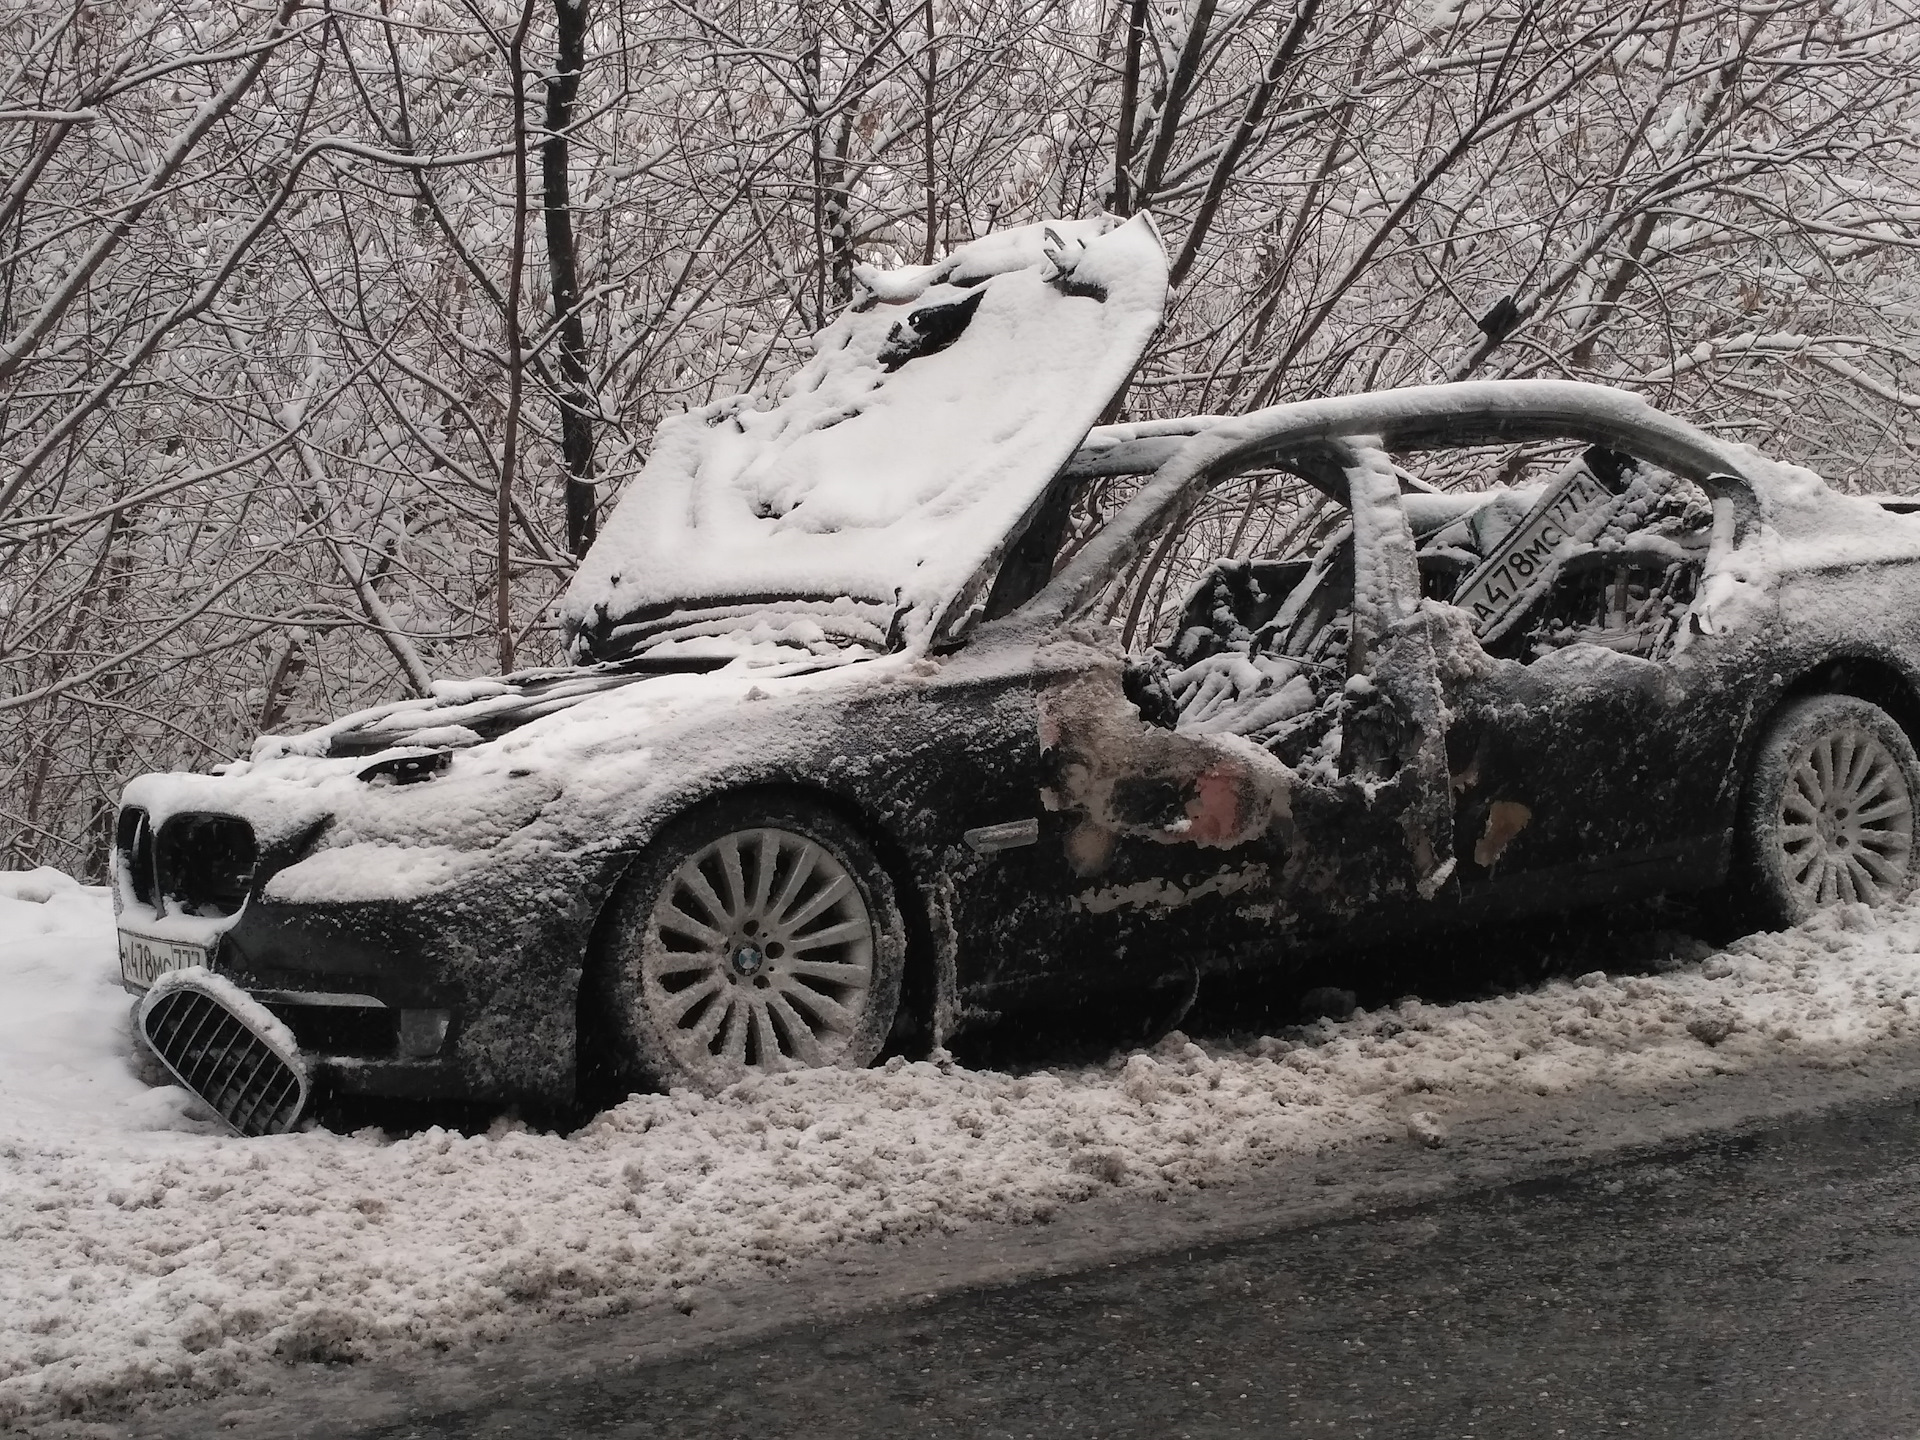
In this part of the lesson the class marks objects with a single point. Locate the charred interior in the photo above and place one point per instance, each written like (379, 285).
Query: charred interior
(1239, 620)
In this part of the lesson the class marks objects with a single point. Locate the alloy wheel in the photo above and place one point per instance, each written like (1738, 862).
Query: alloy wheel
(1846, 820)
(760, 953)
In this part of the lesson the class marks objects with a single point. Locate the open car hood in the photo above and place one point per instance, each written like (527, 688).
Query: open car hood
(879, 480)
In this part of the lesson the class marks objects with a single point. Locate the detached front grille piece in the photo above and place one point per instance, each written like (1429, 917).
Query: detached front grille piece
(225, 1058)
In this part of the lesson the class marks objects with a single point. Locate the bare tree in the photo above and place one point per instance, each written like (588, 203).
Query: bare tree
(288, 421)
(576, 404)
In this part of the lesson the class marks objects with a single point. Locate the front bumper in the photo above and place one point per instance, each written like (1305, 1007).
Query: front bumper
(419, 1001)
(355, 1044)
(435, 1079)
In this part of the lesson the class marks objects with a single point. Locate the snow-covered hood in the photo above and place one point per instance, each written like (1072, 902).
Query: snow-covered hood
(892, 466)
(412, 799)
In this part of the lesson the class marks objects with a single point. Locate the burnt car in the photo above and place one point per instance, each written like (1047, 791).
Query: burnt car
(911, 695)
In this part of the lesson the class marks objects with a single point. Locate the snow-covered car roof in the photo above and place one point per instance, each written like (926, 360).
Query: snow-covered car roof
(892, 466)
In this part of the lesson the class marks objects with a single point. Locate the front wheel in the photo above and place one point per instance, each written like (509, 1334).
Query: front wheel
(1829, 811)
(754, 936)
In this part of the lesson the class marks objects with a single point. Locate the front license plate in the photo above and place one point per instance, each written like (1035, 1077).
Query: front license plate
(144, 959)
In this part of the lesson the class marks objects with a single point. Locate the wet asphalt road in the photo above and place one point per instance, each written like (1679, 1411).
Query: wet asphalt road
(1766, 1286)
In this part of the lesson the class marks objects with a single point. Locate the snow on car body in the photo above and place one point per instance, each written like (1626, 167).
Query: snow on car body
(852, 755)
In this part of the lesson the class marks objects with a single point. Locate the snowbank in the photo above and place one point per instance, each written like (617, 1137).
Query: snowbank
(147, 1252)
(66, 1072)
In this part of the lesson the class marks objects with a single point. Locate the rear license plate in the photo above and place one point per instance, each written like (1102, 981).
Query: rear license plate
(144, 959)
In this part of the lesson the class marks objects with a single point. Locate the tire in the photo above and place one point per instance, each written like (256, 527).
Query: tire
(757, 935)
(1829, 811)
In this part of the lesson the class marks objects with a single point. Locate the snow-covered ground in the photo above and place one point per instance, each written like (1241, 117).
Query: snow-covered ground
(147, 1252)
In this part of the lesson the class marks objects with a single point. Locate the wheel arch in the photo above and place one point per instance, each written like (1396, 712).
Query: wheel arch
(920, 981)
(1873, 678)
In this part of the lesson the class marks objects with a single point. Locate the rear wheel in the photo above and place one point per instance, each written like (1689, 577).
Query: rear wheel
(755, 936)
(1829, 811)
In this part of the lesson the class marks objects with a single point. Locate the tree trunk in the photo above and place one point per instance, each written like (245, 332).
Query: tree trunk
(516, 353)
(576, 404)
(1121, 202)
(931, 245)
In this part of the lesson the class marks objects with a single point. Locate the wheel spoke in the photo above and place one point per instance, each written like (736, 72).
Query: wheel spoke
(1807, 790)
(678, 1004)
(678, 962)
(1822, 758)
(832, 1014)
(693, 881)
(700, 1037)
(1882, 777)
(1844, 887)
(1883, 870)
(1805, 865)
(832, 971)
(733, 1040)
(1870, 777)
(1888, 839)
(845, 931)
(1874, 769)
(765, 1041)
(1866, 886)
(800, 1037)
(795, 882)
(673, 918)
(1883, 812)
(763, 872)
(1846, 750)
(729, 855)
(829, 894)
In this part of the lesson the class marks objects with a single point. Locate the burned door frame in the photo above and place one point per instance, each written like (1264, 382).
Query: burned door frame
(1329, 867)
(1583, 773)
(1197, 849)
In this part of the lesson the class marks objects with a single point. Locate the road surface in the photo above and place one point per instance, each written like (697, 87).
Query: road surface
(1766, 1285)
